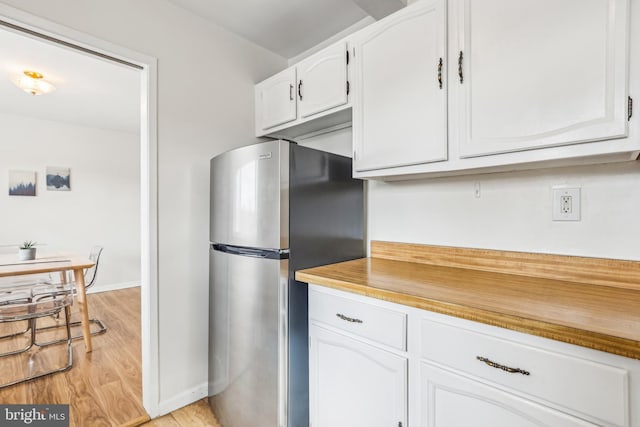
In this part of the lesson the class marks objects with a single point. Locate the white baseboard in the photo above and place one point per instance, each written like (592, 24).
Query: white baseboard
(183, 399)
(112, 287)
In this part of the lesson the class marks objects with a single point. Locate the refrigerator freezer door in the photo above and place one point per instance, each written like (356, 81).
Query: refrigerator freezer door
(250, 196)
(248, 338)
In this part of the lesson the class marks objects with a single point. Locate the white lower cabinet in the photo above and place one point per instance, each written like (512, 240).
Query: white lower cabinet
(452, 400)
(358, 369)
(586, 387)
(375, 363)
(354, 384)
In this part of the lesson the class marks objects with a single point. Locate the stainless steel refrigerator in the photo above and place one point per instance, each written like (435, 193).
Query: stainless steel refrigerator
(276, 207)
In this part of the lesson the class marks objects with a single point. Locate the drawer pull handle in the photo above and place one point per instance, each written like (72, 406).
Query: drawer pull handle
(504, 368)
(348, 319)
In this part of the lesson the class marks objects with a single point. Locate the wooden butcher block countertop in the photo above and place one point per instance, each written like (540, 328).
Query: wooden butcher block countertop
(591, 302)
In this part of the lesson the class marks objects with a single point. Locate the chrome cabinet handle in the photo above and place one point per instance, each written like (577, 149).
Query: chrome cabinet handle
(460, 68)
(503, 367)
(300, 90)
(290, 92)
(348, 319)
(440, 73)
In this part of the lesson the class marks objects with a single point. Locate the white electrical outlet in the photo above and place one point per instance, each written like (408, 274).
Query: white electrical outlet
(566, 203)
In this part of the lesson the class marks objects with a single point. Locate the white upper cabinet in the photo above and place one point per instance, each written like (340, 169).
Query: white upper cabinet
(400, 102)
(322, 81)
(448, 87)
(540, 73)
(289, 103)
(275, 100)
(523, 84)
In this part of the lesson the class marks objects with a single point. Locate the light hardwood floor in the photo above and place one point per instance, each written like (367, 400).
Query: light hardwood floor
(197, 414)
(103, 388)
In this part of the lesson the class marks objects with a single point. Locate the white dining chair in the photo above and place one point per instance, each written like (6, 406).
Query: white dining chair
(90, 276)
(29, 303)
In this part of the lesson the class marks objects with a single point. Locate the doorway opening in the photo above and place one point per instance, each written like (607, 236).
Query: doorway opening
(18, 23)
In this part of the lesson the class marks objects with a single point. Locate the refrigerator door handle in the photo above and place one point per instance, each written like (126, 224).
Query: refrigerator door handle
(283, 344)
(251, 252)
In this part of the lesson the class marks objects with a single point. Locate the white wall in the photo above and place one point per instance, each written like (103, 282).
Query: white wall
(103, 206)
(205, 106)
(513, 211)
(333, 39)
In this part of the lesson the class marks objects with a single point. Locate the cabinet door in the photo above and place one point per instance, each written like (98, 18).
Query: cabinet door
(451, 400)
(353, 384)
(400, 104)
(275, 99)
(322, 81)
(540, 73)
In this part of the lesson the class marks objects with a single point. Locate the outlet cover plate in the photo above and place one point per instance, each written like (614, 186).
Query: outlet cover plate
(566, 203)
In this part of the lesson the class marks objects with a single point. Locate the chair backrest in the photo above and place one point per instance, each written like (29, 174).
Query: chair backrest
(91, 273)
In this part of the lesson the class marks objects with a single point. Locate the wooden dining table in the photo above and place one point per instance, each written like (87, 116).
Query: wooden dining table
(11, 266)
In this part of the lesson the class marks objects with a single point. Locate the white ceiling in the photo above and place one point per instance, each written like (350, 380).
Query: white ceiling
(90, 91)
(288, 27)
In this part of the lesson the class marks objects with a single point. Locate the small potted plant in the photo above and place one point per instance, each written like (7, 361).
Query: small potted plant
(27, 250)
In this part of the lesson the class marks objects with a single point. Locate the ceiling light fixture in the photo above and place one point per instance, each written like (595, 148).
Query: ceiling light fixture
(33, 82)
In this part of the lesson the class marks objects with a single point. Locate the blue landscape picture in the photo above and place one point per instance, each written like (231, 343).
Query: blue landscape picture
(58, 179)
(22, 183)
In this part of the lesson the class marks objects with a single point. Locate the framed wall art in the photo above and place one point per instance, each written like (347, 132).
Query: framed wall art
(58, 179)
(22, 183)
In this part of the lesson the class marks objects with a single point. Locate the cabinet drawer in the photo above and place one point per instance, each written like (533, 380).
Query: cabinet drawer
(370, 321)
(579, 385)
